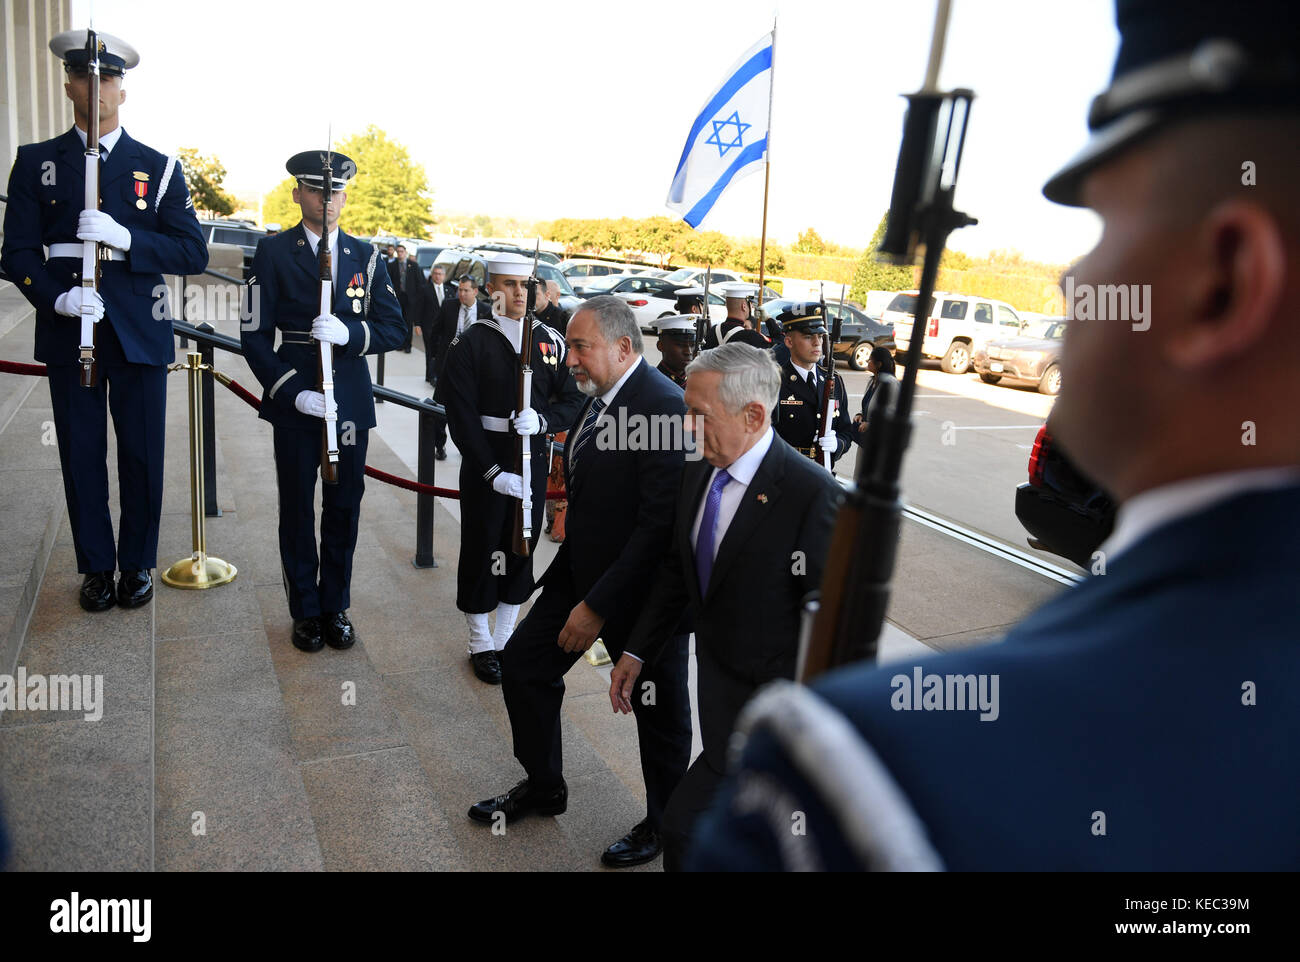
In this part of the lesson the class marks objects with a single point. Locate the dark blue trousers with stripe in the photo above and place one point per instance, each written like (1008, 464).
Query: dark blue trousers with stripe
(318, 584)
(136, 396)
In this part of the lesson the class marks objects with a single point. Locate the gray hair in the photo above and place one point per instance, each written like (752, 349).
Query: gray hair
(615, 319)
(749, 375)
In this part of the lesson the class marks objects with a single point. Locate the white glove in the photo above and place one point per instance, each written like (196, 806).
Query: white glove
(310, 403)
(527, 422)
(329, 328)
(69, 302)
(511, 485)
(828, 443)
(95, 225)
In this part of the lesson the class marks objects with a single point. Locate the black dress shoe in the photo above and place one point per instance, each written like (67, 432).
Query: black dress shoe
(97, 591)
(134, 588)
(520, 801)
(307, 634)
(337, 631)
(440, 454)
(487, 665)
(637, 847)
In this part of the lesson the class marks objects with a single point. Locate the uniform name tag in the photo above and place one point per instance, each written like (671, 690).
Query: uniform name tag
(791, 400)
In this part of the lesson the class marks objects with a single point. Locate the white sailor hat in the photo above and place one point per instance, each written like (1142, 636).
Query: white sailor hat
(677, 324)
(510, 265)
(73, 48)
(309, 168)
(739, 292)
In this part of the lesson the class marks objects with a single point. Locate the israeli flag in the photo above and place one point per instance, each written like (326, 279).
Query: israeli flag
(729, 137)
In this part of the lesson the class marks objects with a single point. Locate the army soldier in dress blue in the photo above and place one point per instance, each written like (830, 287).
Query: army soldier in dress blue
(147, 226)
(798, 415)
(479, 387)
(677, 345)
(284, 294)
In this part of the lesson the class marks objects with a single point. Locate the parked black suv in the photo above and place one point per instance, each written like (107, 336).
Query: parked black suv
(1064, 511)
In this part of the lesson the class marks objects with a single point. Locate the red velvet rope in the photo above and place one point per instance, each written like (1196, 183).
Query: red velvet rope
(14, 367)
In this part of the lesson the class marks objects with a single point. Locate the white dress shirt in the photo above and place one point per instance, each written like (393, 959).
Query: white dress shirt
(742, 472)
(106, 141)
(805, 372)
(608, 398)
(314, 240)
(1143, 513)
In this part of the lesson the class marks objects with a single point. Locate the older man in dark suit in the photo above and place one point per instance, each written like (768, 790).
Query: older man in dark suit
(619, 524)
(754, 512)
(1135, 730)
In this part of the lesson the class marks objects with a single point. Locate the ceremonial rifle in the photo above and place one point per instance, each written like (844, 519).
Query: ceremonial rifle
(843, 623)
(523, 532)
(828, 388)
(90, 250)
(329, 439)
(705, 321)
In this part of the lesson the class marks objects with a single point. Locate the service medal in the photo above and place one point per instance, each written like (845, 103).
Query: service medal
(141, 189)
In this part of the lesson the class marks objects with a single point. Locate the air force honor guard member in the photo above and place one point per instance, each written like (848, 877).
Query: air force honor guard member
(479, 387)
(284, 294)
(147, 226)
(1146, 719)
(798, 415)
(676, 345)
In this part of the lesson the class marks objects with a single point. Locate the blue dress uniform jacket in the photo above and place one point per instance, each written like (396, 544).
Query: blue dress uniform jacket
(134, 339)
(283, 294)
(46, 195)
(1146, 721)
(798, 414)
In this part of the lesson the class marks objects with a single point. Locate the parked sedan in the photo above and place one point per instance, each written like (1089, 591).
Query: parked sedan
(859, 333)
(1032, 358)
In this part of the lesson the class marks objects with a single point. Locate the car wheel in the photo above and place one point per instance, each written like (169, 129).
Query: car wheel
(957, 360)
(990, 378)
(1051, 381)
(859, 355)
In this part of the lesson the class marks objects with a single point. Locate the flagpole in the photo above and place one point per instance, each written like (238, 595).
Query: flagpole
(767, 176)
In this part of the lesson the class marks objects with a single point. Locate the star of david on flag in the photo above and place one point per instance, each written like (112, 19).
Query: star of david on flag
(729, 137)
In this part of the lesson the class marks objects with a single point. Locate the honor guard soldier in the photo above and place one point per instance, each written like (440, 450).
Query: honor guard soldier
(798, 415)
(145, 226)
(677, 345)
(284, 292)
(479, 387)
(739, 325)
(1136, 735)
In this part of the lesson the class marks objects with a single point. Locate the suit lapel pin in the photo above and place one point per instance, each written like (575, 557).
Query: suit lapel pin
(762, 499)
(347, 250)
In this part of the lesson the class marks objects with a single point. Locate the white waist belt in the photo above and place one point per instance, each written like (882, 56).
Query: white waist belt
(490, 423)
(106, 253)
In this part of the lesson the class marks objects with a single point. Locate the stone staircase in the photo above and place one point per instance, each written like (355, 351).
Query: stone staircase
(221, 746)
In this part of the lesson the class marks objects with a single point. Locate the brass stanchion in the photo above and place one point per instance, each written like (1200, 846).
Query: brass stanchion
(597, 655)
(199, 570)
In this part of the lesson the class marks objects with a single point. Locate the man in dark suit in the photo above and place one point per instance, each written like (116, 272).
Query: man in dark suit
(1137, 732)
(619, 523)
(753, 512)
(433, 296)
(407, 282)
(146, 228)
(284, 291)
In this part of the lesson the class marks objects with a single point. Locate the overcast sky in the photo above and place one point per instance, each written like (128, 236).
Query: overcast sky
(580, 108)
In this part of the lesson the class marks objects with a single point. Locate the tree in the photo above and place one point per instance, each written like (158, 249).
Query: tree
(809, 242)
(390, 193)
(204, 176)
(278, 206)
(872, 275)
(746, 258)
